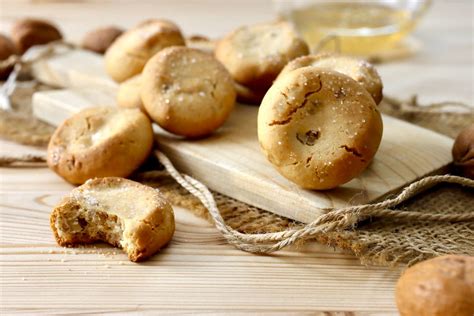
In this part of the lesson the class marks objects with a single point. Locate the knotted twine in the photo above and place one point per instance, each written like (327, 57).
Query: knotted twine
(22, 63)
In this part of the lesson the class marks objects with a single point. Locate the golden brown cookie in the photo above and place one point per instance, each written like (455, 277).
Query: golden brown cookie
(361, 71)
(100, 142)
(187, 91)
(255, 55)
(99, 40)
(30, 32)
(443, 286)
(7, 48)
(129, 53)
(319, 128)
(123, 213)
(128, 95)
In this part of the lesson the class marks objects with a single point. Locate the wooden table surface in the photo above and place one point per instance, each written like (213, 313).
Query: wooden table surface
(199, 272)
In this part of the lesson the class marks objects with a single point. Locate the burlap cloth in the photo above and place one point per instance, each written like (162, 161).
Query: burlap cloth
(378, 241)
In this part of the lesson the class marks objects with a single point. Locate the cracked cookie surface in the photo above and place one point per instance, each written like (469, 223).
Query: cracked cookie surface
(121, 212)
(359, 70)
(187, 91)
(129, 53)
(319, 128)
(255, 54)
(100, 142)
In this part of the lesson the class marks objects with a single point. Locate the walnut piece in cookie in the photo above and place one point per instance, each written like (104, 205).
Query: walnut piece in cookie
(100, 142)
(360, 70)
(255, 55)
(463, 152)
(30, 32)
(437, 287)
(123, 213)
(129, 53)
(187, 91)
(319, 128)
(99, 40)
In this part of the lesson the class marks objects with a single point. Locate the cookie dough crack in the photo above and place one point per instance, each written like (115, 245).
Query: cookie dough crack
(353, 151)
(294, 110)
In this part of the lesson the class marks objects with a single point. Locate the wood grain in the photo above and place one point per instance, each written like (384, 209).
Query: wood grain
(231, 162)
(198, 271)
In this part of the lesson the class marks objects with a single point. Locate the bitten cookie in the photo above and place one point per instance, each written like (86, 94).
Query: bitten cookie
(100, 142)
(128, 95)
(99, 40)
(443, 286)
(129, 53)
(361, 71)
(30, 32)
(254, 55)
(123, 213)
(187, 91)
(319, 128)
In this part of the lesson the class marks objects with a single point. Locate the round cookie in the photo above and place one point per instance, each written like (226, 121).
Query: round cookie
(187, 91)
(254, 55)
(319, 128)
(129, 53)
(128, 95)
(100, 142)
(360, 70)
(437, 287)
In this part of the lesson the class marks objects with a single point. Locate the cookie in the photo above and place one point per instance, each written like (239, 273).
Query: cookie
(123, 213)
(99, 40)
(129, 53)
(128, 95)
(359, 70)
(437, 287)
(255, 55)
(319, 128)
(100, 142)
(187, 91)
(31, 32)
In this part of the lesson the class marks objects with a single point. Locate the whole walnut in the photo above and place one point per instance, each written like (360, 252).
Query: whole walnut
(463, 152)
(100, 39)
(7, 48)
(30, 32)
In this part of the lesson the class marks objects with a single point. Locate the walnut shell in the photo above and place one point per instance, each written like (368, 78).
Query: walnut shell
(7, 48)
(463, 152)
(30, 32)
(100, 39)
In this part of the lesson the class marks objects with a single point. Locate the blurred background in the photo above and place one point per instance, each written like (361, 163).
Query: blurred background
(436, 61)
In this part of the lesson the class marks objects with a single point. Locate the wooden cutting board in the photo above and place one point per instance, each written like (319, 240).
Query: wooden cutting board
(230, 161)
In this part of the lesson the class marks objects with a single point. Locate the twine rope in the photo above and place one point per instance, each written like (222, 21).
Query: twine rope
(339, 219)
(22, 63)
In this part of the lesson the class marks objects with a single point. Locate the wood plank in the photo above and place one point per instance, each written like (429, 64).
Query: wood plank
(230, 161)
(198, 271)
